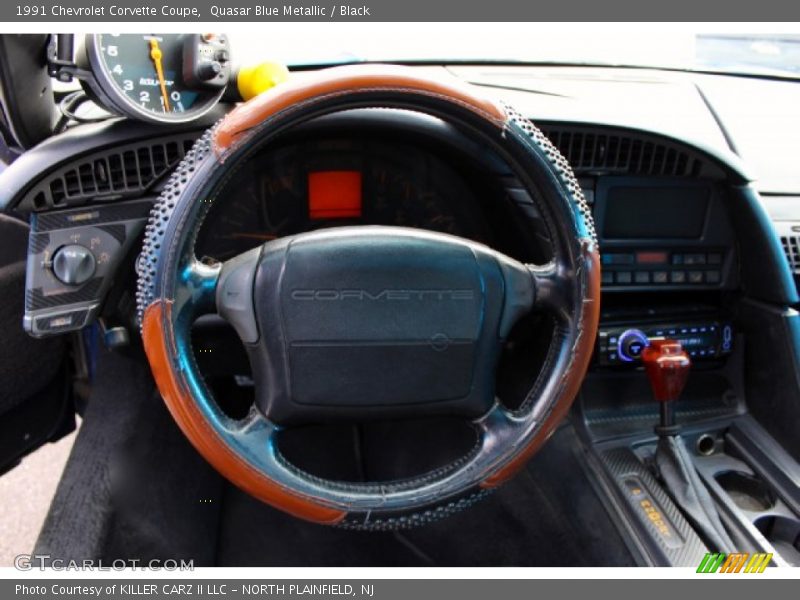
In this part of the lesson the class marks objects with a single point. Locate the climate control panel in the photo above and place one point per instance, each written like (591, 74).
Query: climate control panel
(622, 345)
(666, 268)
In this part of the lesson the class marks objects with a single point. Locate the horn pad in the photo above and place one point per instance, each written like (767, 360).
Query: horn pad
(376, 323)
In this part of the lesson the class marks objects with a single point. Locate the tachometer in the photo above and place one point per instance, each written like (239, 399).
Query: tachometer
(158, 77)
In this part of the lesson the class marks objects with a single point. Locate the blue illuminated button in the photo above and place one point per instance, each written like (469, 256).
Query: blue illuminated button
(635, 349)
(630, 345)
(727, 338)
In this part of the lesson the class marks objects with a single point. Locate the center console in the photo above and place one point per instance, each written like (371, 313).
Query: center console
(671, 270)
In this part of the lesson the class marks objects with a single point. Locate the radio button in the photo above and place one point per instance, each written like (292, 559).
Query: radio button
(695, 277)
(678, 277)
(660, 277)
(623, 277)
(631, 343)
(642, 277)
(617, 259)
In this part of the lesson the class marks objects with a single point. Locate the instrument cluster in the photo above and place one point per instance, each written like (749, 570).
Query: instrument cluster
(336, 182)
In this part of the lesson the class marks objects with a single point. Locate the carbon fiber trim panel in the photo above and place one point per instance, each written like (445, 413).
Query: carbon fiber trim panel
(660, 520)
(108, 213)
(35, 299)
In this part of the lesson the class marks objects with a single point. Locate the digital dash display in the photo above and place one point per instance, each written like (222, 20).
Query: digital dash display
(334, 194)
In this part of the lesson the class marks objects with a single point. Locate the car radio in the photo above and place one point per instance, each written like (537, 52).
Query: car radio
(702, 340)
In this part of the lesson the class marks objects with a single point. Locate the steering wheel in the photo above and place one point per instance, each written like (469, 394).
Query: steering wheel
(368, 322)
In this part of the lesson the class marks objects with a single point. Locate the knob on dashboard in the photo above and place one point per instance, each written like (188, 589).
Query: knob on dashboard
(209, 70)
(73, 264)
(631, 344)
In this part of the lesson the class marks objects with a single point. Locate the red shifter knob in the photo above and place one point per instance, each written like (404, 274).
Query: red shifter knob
(667, 367)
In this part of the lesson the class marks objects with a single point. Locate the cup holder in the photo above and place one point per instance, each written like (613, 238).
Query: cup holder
(784, 535)
(746, 491)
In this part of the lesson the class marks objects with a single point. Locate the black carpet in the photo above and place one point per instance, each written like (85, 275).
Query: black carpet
(547, 516)
(134, 488)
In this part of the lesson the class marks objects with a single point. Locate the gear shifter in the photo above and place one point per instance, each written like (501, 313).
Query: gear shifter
(667, 367)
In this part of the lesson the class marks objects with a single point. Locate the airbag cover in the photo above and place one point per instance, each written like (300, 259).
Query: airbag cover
(375, 322)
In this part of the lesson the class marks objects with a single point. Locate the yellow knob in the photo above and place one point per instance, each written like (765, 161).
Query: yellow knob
(256, 79)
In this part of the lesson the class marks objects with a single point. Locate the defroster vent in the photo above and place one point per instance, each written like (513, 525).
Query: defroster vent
(597, 150)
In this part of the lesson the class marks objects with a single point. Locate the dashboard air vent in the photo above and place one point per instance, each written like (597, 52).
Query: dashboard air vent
(594, 150)
(791, 246)
(125, 171)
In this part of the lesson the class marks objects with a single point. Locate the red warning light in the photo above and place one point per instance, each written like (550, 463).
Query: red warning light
(334, 194)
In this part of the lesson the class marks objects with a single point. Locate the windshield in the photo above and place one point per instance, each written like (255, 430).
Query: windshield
(741, 53)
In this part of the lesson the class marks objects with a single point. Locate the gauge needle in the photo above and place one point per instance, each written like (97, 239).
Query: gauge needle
(155, 55)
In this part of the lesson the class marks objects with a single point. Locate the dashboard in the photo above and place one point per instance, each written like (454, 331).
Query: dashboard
(667, 212)
(659, 207)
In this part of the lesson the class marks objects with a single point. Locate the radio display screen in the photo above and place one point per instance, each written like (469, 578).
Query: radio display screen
(653, 212)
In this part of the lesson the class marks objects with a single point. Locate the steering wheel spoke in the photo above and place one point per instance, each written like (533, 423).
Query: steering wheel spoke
(196, 287)
(553, 290)
(234, 294)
